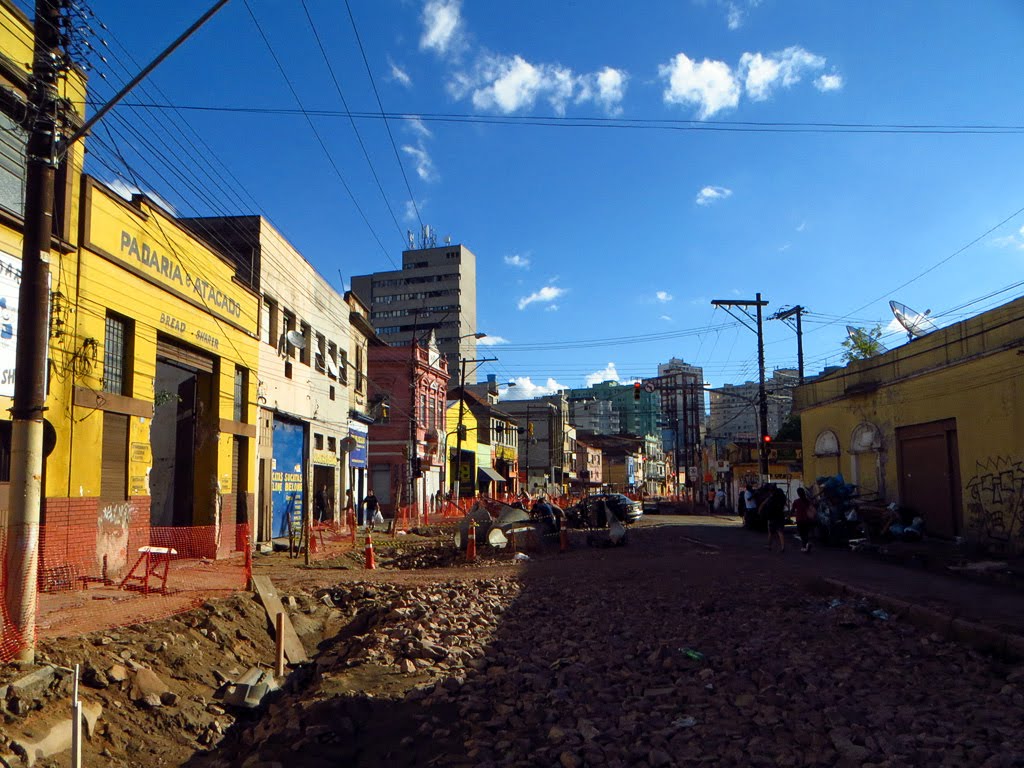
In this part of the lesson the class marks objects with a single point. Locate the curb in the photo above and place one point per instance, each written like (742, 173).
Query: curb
(980, 637)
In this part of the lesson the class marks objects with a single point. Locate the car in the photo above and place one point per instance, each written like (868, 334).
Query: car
(589, 512)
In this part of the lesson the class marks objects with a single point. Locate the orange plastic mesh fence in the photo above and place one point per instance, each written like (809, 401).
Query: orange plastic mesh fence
(114, 572)
(330, 539)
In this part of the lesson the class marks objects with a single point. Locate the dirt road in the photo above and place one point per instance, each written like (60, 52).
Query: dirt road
(690, 645)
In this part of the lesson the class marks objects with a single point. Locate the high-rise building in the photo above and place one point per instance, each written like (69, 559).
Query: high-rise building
(735, 411)
(681, 387)
(434, 290)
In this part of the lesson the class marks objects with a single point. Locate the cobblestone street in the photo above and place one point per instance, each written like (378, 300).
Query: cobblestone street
(692, 645)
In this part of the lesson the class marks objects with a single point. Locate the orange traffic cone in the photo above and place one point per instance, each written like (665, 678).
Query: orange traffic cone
(471, 543)
(371, 561)
(563, 539)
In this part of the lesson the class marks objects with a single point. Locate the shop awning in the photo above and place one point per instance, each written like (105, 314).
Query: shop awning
(486, 474)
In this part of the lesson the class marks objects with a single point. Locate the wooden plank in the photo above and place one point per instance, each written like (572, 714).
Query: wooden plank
(272, 604)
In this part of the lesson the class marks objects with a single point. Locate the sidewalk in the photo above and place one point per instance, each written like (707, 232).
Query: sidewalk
(995, 605)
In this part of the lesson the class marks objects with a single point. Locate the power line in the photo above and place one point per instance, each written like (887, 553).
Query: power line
(560, 121)
(376, 94)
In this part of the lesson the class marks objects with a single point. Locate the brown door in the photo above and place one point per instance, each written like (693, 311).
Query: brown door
(930, 476)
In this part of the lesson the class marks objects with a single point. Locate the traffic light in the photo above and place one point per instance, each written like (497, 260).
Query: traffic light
(417, 467)
(766, 439)
(636, 390)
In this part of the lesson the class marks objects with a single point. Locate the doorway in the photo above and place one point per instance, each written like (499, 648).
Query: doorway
(929, 470)
(183, 477)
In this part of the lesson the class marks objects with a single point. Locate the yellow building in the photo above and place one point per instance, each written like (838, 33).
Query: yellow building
(464, 470)
(935, 425)
(156, 375)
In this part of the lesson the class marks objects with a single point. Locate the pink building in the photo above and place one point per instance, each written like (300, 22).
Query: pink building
(408, 385)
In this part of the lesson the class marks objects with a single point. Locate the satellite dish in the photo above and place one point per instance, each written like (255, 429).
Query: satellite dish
(296, 339)
(917, 324)
(858, 334)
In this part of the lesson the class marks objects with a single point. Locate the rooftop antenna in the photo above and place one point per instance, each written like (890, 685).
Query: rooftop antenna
(412, 239)
(859, 335)
(447, 239)
(916, 324)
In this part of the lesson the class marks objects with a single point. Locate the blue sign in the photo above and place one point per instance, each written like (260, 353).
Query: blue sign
(357, 456)
(287, 479)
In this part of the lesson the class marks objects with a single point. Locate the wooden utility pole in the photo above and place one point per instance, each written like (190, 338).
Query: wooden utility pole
(762, 395)
(33, 325)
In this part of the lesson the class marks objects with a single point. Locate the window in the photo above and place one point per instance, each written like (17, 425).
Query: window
(318, 442)
(13, 145)
(321, 349)
(273, 318)
(359, 369)
(289, 325)
(332, 444)
(116, 349)
(307, 335)
(332, 392)
(423, 410)
(241, 393)
(343, 368)
(332, 361)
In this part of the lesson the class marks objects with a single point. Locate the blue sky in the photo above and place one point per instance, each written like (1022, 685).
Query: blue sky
(600, 246)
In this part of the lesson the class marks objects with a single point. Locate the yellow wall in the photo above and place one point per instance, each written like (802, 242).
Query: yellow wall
(970, 372)
(469, 442)
(161, 294)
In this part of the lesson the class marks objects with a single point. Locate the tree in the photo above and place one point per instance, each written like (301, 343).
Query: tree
(862, 344)
(790, 429)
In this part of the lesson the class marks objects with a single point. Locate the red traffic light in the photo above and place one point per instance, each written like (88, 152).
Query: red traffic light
(636, 390)
(766, 438)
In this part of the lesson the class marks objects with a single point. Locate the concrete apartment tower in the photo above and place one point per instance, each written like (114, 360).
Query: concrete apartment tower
(434, 290)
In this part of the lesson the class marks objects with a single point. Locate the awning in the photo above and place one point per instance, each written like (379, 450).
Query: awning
(486, 474)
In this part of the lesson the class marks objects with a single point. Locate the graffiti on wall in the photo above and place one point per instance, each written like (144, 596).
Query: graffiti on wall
(995, 501)
(112, 536)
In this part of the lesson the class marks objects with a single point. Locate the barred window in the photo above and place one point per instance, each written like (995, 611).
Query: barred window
(241, 381)
(115, 355)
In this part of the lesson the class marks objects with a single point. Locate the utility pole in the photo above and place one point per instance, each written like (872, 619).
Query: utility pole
(33, 323)
(44, 150)
(785, 315)
(762, 395)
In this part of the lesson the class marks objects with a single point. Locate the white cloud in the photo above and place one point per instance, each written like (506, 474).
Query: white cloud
(442, 22)
(515, 260)
(511, 83)
(525, 389)
(424, 165)
(128, 191)
(826, 83)
(418, 127)
(734, 16)
(491, 341)
(785, 247)
(399, 75)
(710, 195)
(763, 74)
(894, 326)
(666, 318)
(608, 373)
(709, 85)
(551, 308)
(410, 214)
(712, 86)
(1010, 241)
(546, 294)
(801, 226)
(663, 296)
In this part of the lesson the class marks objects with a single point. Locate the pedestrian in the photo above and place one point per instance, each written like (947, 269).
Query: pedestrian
(350, 507)
(372, 507)
(805, 514)
(773, 508)
(749, 505)
(720, 500)
(322, 504)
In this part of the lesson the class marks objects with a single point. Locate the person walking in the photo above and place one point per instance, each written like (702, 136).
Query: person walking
(350, 507)
(805, 514)
(322, 504)
(372, 507)
(773, 507)
(749, 506)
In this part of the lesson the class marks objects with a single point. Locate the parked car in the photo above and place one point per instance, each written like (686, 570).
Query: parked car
(589, 512)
